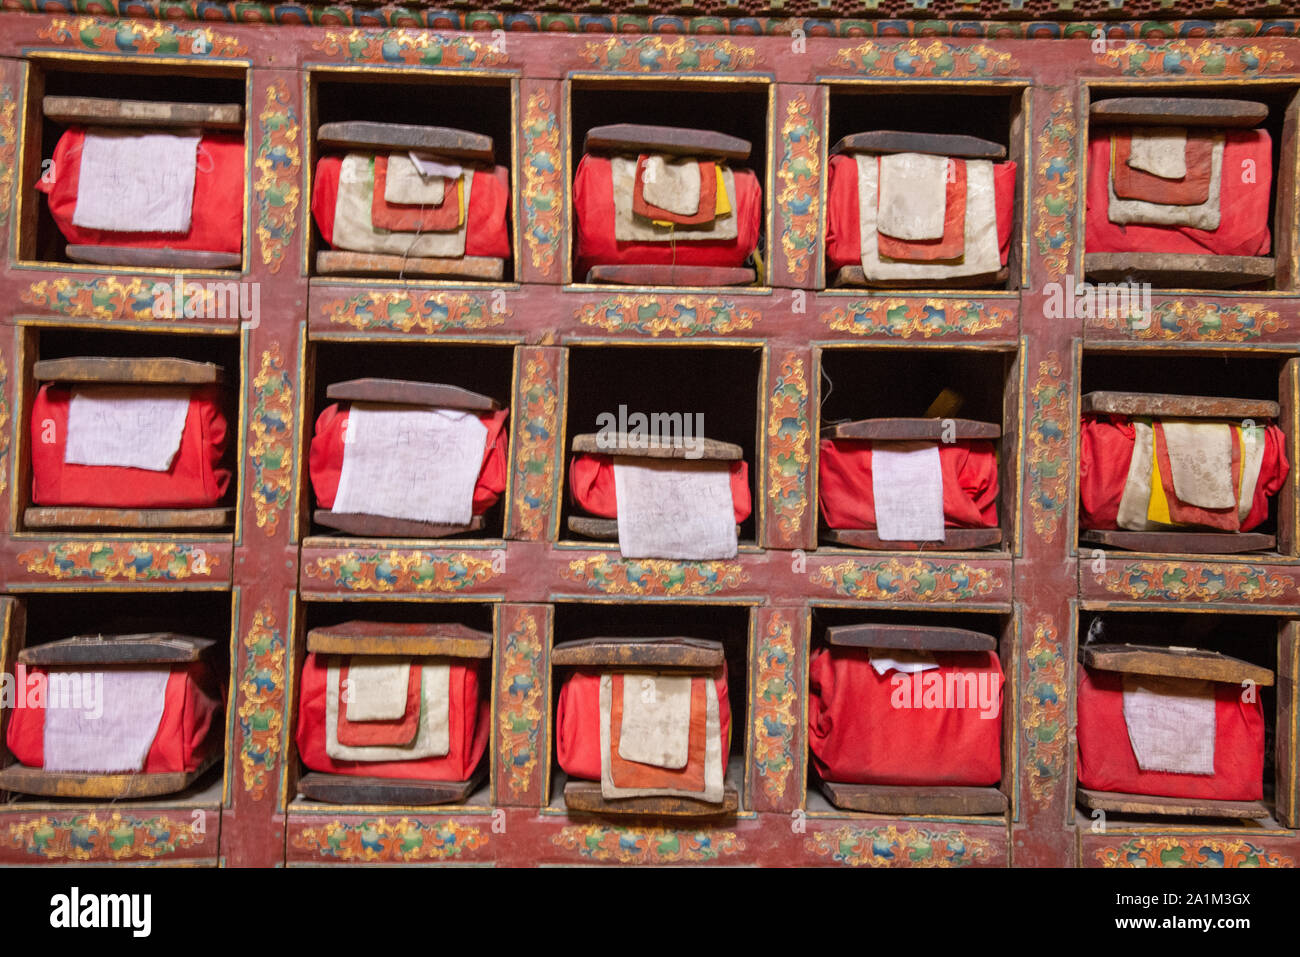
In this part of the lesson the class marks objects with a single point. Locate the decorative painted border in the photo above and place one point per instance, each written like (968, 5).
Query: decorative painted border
(394, 570)
(789, 441)
(925, 58)
(919, 580)
(379, 840)
(984, 22)
(129, 561)
(261, 707)
(399, 47)
(1184, 58)
(8, 149)
(279, 163)
(1191, 581)
(101, 297)
(654, 576)
(773, 706)
(1049, 434)
(4, 426)
(678, 316)
(270, 447)
(537, 427)
(118, 837)
(1057, 171)
(680, 55)
(890, 845)
(543, 182)
(1188, 852)
(140, 37)
(1046, 721)
(520, 704)
(403, 311)
(647, 845)
(898, 318)
(800, 193)
(1199, 321)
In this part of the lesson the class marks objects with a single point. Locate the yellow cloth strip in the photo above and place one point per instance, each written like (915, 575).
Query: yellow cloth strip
(1158, 507)
(721, 202)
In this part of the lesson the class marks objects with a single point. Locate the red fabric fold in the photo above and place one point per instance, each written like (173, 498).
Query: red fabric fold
(398, 731)
(217, 220)
(193, 481)
(591, 486)
(1183, 513)
(444, 217)
(970, 484)
(325, 460)
(707, 211)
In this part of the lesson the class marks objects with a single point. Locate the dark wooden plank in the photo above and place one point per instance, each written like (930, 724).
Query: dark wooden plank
(601, 529)
(339, 262)
(350, 789)
(1177, 111)
(673, 140)
(1179, 270)
(438, 140)
(1158, 404)
(634, 654)
(935, 144)
(897, 799)
(40, 516)
(853, 276)
(1174, 662)
(151, 370)
(163, 258)
(407, 639)
(909, 638)
(1116, 801)
(954, 539)
(673, 275)
(105, 787)
(379, 526)
(627, 445)
(1186, 543)
(98, 111)
(437, 395)
(585, 796)
(164, 647)
(899, 429)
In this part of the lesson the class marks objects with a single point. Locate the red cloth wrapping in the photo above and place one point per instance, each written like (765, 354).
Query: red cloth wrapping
(1192, 190)
(1107, 762)
(591, 485)
(577, 723)
(593, 206)
(1106, 447)
(1243, 223)
(217, 221)
(953, 241)
(190, 728)
(470, 726)
(193, 481)
(970, 484)
(445, 217)
(858, 736)
(326, 457)
(488, 233)
(843, 239)
(398, 731)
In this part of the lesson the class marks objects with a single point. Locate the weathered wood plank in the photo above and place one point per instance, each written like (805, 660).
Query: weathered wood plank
(1157, 404)
(439, 140)
(406, 639)
(162, 258)
(41, 516)
(1179, 270)
(894, 799)
(109, 787)
(601, 529)
(437, 395)
(903, 429)
(935, 144)
(164, 647)
(340, 262)
(380, 526)
(1187, 543)
(98, 111)
(585, 796)
(350, 789)
(673, 275)
(1116, 801)
(909, 638)
(1177, 111)
(628, 445)
(151, 370)
(673, 140)
(632, 654)
(853, 276)
(1173, 662)
(954, 539)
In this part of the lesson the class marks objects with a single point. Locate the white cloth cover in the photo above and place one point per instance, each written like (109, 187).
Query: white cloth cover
(126, 426)
(117, 739)
(406, 185)
(1159, 150)
(377, 686)
(913, 196)
(656, 722)
(131, 182)
(1170, 723)
(907, 483)
(1200, 462)
(1205, 216)
(670, 508)
(672, 184)
(433, 736)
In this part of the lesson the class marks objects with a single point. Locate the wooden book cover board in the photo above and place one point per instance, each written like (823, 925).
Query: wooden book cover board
(636, 654)
(163, 258)
(1177, 111)
(98, 111)
(1191, 542)
(585, 796)
(601, 529)
(136, 371)
(900, 799)
(1180, 270)
(855, 276)
(406, 639)
(954, 540)
(934, 144)
(660, 275)
(909, 638)
(1118, 802)
(1164, 405)
(636, 446)
(164, 647)
(917, 429)
(381, 526)
(401, 792)
(338, 262)
(76, 516)
(433, 395)
(106, 787)
(1174, 662)
(396, 137)
(672, 140)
